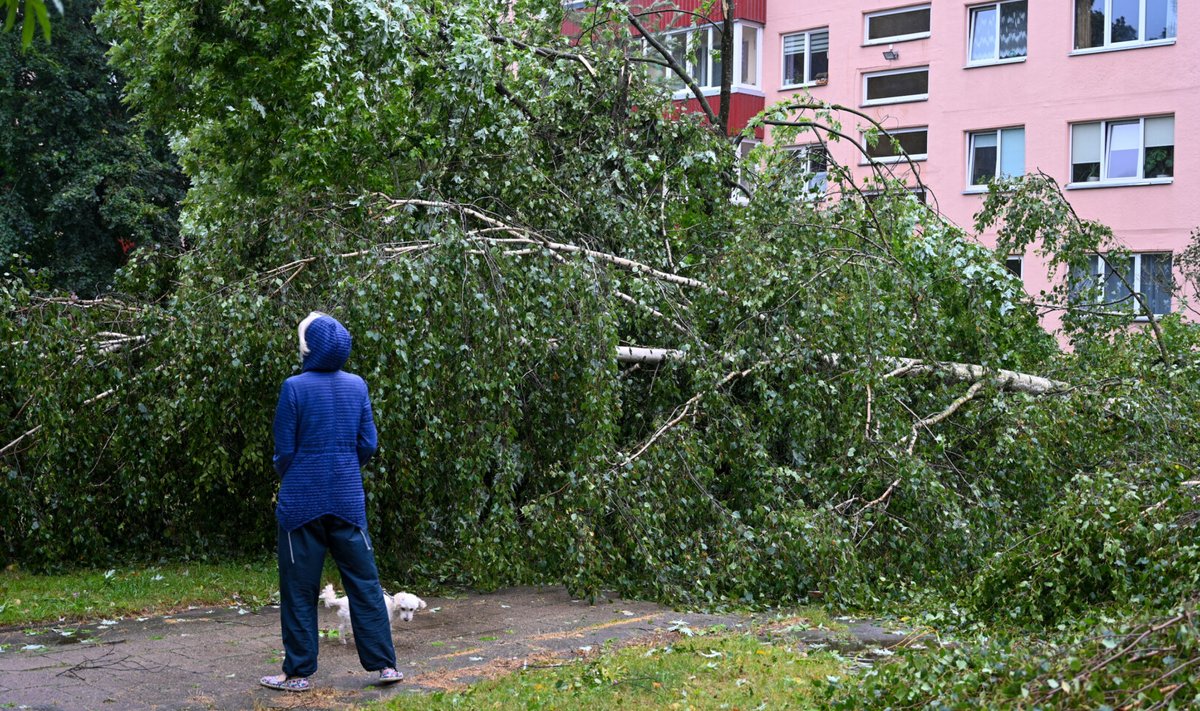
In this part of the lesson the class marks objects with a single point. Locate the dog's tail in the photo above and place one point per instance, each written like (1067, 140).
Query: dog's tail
(328, 595)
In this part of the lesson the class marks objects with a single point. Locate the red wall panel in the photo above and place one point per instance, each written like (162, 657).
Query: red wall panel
(742, 108)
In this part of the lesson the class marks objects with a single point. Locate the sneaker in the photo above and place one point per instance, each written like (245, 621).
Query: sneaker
(286, 683)
(390, 676)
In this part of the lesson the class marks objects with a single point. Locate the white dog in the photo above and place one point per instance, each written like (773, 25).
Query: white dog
(402, 603)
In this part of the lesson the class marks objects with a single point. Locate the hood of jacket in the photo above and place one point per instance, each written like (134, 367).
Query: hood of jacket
(328, 344)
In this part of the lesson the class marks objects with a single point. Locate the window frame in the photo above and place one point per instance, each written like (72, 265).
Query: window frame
(867, 17)
(921, 194)
(1110, 46)
(744, 147)
(1019, 272)
(807, 58)
(739, 58)
(971, 10)
(709, 88)
(982, 187)
(1103, 181)
(1101, 277)
(903, 157)
(904, 99)
(804, 152)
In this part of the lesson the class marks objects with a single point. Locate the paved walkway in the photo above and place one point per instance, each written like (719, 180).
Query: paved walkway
(211, 658)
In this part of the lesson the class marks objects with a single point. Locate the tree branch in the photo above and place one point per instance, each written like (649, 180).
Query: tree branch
(15, 442)
(545, 52)
(528, 236)
(932, 420)
(679, 71)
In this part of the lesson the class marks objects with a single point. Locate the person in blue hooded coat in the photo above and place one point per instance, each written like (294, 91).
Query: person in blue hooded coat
(324, 434)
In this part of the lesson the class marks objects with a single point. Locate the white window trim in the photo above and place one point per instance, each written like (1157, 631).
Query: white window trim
(913, 190)
(1123, 47)
(867, 41)
(802, 152)
(736, 196)
(1114, 182)
(893, 99)
(1020, 260)
(1102, 277)
(971, 36)
(982, 187)
(1109, 45)
(738, 86)
(707, 91)
(807, 57)
(998, 62)
(904, 158)
(689, 65)
(711, 89)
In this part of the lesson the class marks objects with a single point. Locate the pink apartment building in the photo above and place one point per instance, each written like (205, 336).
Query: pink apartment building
(1091, 92)
(1094, 93)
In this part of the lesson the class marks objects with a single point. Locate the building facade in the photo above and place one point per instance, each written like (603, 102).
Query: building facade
(1101, 95)
(1098, 94)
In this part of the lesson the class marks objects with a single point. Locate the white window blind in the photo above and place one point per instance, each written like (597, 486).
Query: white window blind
(794, 44)
(820, 41)
(1085, 143)
(1012, 154)
(1160, 131)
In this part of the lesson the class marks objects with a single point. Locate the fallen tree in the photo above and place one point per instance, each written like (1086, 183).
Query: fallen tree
(848, 394)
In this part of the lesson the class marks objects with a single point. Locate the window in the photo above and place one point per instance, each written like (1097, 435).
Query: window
(998, 32)
(1123, 23)
(746, 169)
(913, 143)
(872, 196)
(1015, 265)
(897, 86)
(806, 58)
(1123, 151)
(812, 161)
(1148, 274)
(907, 23)
(698, 51)
(996, 154)
(748, 59)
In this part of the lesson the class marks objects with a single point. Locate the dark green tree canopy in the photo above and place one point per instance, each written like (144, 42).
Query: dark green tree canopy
(82, 184)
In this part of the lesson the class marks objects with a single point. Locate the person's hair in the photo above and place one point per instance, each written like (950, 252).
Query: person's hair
(312, 316)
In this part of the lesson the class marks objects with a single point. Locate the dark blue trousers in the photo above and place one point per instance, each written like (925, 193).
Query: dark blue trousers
(301, 559)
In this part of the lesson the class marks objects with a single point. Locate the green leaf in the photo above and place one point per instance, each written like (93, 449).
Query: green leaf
(43, 18)
(27, 26)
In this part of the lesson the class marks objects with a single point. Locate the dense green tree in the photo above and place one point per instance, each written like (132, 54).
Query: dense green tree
(82, 184)
(854, 401)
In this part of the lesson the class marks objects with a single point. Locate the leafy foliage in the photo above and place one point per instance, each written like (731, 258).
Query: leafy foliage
(81, 185)
(492, 211)
(33, 14)
(1102, 664)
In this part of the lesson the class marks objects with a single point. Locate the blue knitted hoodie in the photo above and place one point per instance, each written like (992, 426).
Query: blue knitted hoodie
(324, 433)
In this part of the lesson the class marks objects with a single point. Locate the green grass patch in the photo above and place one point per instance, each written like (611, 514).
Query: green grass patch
(26, 598)
(701, 672)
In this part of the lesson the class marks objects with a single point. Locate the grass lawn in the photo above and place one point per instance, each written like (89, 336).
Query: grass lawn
(702, 672)
(26, 598)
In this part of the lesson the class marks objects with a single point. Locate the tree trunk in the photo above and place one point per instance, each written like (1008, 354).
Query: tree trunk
(727, 9)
